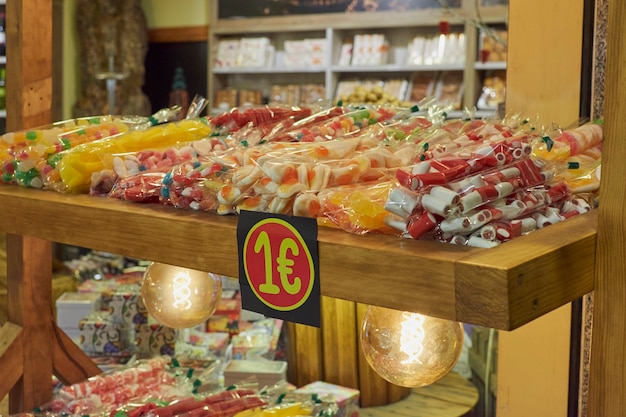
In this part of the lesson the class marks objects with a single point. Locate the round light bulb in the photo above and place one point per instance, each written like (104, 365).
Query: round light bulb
(410, 349)
(180, 297)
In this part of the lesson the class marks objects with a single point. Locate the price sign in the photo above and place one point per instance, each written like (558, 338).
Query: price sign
(278, 266)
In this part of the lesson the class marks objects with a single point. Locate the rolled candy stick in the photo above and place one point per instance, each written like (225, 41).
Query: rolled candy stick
(576, 204)
(479, 242)
(435, 205)
(530, 174)
(402, 202)
(542, 221)
(511, 210)
(396, 222)
(487, 232)
(507, 230)
(421, 224)
(458, 240)
(501, 175)
(477, 220)
(558, 192)
(553, 215)
(456, 225)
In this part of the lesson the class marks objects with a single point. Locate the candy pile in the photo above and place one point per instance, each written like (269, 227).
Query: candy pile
(161, 387)
(488, 193)
(77, 166)
(108, 391)
(30, 157)
(362, 169)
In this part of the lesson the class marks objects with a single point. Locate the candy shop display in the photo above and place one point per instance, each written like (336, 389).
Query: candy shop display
(364, 169)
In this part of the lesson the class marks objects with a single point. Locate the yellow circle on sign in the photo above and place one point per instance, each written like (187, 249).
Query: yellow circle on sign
(260, 239)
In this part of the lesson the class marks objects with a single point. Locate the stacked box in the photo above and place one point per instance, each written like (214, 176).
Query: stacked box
(99, 334)
(199, 344)
(153, 339)
(227, 315)
(227, 53)
(72, 307)
(126, 305)
(315, 52)
(370, 49)
(254, 52)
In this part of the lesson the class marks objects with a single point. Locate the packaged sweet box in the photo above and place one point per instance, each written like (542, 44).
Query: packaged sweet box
(73, 306)
(153, 339)
(99, 334)
(267, 373)
(126, 305)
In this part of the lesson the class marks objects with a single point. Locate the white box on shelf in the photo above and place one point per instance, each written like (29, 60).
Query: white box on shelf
(266, 372)
(345, 55)
(315, 52)
(227, 53)
(253, 52)
(73, 306)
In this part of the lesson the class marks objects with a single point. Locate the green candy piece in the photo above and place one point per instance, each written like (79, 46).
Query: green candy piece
(66, 143)
(32, 135)
(549, 142)
(54, 160)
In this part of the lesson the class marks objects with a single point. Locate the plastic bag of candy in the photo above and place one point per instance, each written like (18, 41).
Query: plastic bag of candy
(29, 157)
(77, 165)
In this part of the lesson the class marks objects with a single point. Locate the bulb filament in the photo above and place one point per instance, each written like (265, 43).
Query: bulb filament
(412, 336)
(182, 292)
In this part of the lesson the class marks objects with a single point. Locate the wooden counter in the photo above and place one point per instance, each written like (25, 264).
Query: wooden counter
(503, 287)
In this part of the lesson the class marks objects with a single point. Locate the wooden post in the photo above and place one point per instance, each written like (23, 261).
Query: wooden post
(33, 347)
(607, 391)
(543, 80)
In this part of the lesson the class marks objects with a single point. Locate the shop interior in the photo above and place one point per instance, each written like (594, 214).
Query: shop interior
(521, 311)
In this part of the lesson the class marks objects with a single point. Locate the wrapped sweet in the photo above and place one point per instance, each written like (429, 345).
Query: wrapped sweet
(77, 165)
(29, 158)
(490, 195)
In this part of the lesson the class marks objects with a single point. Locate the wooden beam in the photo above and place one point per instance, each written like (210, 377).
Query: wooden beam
(607, 391)
(29, 268)
(179, 34)
(29, 273)
(10, 357)
(29, 76)
(70, 363)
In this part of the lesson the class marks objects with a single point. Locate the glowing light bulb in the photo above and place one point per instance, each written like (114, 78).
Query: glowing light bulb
(410, 349)
(180, 297)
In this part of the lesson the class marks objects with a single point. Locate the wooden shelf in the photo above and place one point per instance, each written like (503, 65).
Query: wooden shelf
(398, 68)
(504, 287)
(268, 70)
(490, 65)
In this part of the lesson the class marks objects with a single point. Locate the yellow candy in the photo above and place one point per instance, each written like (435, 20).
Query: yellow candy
(365, 213)
(79, 163)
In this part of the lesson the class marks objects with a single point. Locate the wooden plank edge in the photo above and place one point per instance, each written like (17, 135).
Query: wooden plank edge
(179, 34)
(381, 263)
(70, 363)
(11, 357)
(510, 285)
(311, 22)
